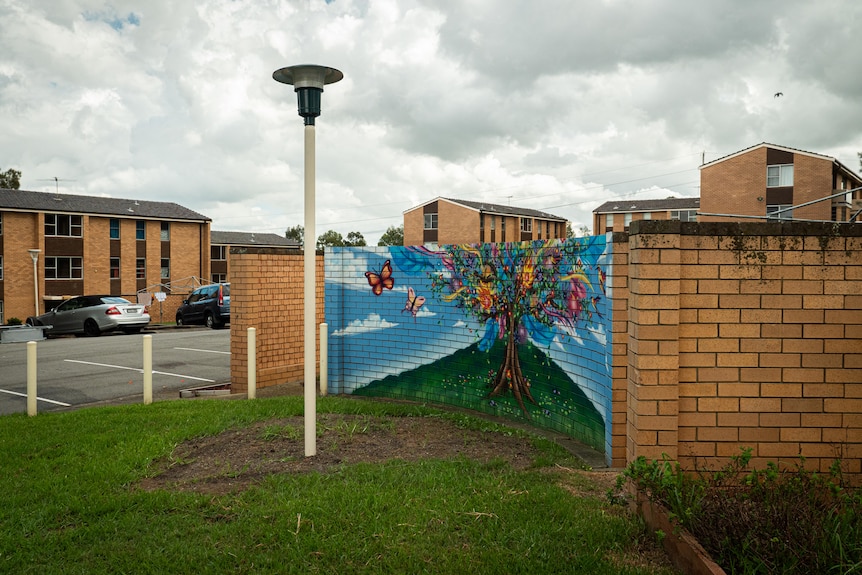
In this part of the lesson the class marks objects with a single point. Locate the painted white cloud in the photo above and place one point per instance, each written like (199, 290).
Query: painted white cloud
(373, 322)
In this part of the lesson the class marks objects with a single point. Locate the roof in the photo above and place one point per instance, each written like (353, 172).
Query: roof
(841, 166)
(21, 200)
(251, 239)
(648, 205)
(498, 209)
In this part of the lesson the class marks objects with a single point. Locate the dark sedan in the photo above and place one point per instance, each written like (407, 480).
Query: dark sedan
(93, 315)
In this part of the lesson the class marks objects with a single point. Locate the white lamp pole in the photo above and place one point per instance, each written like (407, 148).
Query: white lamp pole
(34, 254)
(308, 81)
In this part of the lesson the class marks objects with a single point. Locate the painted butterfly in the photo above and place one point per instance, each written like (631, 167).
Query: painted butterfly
(381, 280)
(414, 302)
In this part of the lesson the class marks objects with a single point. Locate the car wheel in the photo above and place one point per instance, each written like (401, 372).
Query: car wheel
(210, 321)
(180, 320)
(91, 328)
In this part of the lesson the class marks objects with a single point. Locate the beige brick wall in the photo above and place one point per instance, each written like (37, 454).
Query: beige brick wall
(267, 294)
(457, 224)
(19, 235)
(743, 335)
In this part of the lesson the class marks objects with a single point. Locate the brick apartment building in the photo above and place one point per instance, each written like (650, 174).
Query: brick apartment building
(451, 221)
(91, 245)
(222, 242)
(764, 179)
(616, 216)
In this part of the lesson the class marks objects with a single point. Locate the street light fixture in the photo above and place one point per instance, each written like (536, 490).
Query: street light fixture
(308, 81)
(34, 255)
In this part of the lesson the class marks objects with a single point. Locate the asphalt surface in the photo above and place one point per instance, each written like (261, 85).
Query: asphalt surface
(74, 372)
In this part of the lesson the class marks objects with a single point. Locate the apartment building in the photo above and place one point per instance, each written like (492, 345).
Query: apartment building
(222, 242)
(776, 182)
(451, 221)
(54, 246)
(616, 216)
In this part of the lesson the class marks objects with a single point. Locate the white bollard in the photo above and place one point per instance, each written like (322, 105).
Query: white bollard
(148, 369)
(31, 378)
(324, 358)
(252, 363)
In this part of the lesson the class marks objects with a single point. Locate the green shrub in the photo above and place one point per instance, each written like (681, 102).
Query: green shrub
(14, 321)
(774, 520)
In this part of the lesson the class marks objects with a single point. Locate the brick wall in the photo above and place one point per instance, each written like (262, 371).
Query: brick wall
(743, 335)
(267, 294)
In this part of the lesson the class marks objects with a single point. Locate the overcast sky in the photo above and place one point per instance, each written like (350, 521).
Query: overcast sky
(557, 105)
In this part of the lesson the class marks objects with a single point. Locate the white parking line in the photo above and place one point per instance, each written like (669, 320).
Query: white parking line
(38, 398)
(202, 350)
(139, 370)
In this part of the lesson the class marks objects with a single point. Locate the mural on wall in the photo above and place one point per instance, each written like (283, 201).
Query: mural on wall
(514, 329)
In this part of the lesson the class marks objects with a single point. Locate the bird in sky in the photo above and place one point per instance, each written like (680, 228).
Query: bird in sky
(778, 94)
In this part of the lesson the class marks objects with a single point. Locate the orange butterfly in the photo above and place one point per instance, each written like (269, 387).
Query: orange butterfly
(414, 302)
(381, 280)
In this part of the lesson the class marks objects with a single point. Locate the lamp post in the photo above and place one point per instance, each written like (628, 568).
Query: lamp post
(34, 255)
(308, 81)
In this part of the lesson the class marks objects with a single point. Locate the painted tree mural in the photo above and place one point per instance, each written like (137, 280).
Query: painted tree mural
(514, 290)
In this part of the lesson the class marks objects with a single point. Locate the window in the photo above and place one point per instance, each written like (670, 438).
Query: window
(526, 225)
(166, 268)
(115, 268)
(63, 268)
(140, 268)
(430, 221)
(219, 278)
(503, 226)
(64, 225)
(2, 319)
(115, 229)
(647, 215)
(771, 209)
(609, 220)
(627, 219)
(1, 224)
(548, 229)
(684, 215)
(218, 253)
(140, 230)
(1, 271)
(493, 222)
(166, 232)
(779, 176)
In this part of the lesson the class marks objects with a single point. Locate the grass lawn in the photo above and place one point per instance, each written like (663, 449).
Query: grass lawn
(71, 501)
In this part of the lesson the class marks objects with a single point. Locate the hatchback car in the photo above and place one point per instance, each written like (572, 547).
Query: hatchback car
(93, 315)
(208, 305)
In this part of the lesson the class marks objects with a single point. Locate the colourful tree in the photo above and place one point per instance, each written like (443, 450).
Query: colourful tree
(516, 291)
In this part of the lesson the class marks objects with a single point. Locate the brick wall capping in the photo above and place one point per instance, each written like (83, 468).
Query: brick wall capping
(269, 251)
(819, 229)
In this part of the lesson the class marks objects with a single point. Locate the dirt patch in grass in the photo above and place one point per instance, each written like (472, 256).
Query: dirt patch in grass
(238, 458)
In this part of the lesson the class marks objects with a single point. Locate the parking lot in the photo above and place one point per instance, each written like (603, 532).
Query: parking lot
(76, 372)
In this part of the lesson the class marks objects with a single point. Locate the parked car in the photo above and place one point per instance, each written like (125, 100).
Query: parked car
(208, 305)
(93, 315)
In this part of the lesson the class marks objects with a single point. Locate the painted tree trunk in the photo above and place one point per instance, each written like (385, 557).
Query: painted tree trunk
(510, 377)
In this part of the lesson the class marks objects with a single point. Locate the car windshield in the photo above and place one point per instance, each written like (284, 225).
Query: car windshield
(225, 290)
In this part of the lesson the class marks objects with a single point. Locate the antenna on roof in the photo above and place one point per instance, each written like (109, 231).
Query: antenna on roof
(56, 181)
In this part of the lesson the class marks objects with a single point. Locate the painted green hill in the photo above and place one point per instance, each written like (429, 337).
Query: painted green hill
(464, 379)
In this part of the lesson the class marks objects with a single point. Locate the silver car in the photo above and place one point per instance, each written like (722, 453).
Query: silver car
(94, 314)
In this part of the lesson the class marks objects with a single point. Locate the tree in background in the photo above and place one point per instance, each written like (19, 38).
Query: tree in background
(514, 290)
(330, 239)
(394, 236)
(10, 179)
(296, 233)
(355, 239)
